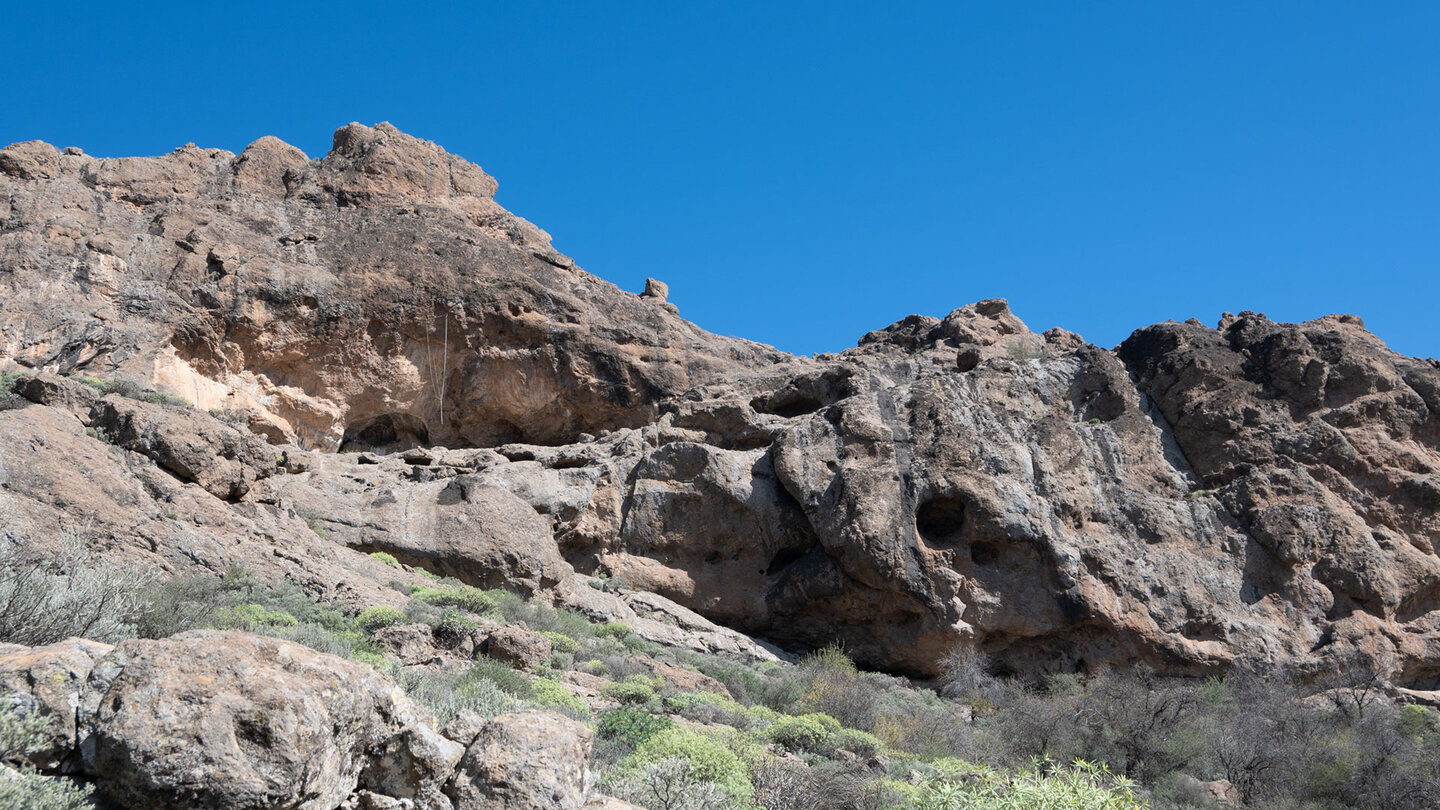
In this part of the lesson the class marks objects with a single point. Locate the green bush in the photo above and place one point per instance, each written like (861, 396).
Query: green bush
(22, 734)
(680, 701)
(387, 558)
(710, 759)
(807, 732)
(507, 679)
(559, 642)
(1083, 786)
(611, 630)
(45, 598)
(633, 690)
(552, 694)
(858, 742)
(464, 597)
(251, 616)
(446, 695)
(30, 790)
(631, 725)
(374, 618)
(452, 626)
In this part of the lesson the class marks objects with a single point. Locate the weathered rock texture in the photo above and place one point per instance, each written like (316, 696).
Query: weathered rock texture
(1262, 494)
(234, 721)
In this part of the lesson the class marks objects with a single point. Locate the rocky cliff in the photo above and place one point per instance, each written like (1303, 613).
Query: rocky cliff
(378, 357)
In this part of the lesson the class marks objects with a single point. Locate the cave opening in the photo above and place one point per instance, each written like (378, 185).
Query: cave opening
(788, 405)
(940, 520)
(385, 433)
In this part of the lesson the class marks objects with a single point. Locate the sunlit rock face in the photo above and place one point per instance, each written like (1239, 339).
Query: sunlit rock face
(1261, 494)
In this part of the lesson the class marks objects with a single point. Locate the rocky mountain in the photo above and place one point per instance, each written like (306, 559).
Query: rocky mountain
(376, 357)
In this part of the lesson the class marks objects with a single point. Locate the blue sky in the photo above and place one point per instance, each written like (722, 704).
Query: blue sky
(801, 173)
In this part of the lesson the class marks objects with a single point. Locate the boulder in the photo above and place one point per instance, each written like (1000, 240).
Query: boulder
(48, 681)
(531, 760)
(518, 647)
(193, 446)
(234, 721)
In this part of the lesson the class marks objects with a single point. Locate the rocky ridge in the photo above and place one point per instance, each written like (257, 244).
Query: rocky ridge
(1257, 494)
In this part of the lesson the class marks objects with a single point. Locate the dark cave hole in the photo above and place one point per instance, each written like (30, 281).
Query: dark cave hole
(787, 404)
(783, 559)
(940, 520)
(984, 553)
(388, 432)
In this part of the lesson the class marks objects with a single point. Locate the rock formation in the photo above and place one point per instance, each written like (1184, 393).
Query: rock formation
(1260, 494)
(233, 721)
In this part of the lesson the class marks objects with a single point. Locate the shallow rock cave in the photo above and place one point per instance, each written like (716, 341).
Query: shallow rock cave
(387, 432)
(940, 521)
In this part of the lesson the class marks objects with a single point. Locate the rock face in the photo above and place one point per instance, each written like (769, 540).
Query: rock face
(293, 289)
(1260, 494)
(233, 721)
(529, 760)
(238, 721)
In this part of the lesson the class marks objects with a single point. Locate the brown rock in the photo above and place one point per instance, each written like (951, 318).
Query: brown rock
(59, 392)
(518, 647)
(412, 644)
(266, 164)
(656, 289)
(222, 460)
(48, 680)
(31, 160)
(531, 760)
(232, 720)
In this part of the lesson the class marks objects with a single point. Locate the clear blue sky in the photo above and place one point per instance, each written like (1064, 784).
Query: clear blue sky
(801, 173)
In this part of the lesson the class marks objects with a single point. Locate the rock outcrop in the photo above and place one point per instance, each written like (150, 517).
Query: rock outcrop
(1260, 494)
(234, 721)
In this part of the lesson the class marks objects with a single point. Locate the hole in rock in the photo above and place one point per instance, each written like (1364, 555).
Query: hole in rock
(984, 553)
(783, 559)
(787, 404)
(387, 433)
(940, 520)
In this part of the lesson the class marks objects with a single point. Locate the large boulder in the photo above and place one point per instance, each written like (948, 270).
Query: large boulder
(531, 760)
(194, 447)
(233, 721)
(48, 681)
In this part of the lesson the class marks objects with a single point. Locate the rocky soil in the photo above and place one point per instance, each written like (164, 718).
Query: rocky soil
(377, 357)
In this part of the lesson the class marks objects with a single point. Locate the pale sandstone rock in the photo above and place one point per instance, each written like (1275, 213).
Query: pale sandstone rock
(531, 760)
(232, 720)
(48, 680)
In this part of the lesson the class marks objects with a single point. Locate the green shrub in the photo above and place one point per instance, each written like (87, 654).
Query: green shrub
(30, 790)
(386, 557)
(807, 732)
(559, 642)
(251, 616)
(631, 725)
(46, 598)
(611, 630)
(1083, 786)
(507, 679)
(464, 597)
(633, 690)
(672, 784)
(595, 667)
(22, 734)
(858, 742)
(374, 618)
(446, 695)
(452, 626)
(553, 695)
(680, 701)
(710, 759)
